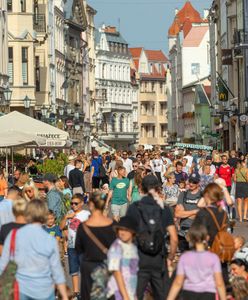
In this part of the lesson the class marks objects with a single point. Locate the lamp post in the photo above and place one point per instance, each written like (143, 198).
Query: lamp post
(43, 112)
(7, 96)
(27, 103)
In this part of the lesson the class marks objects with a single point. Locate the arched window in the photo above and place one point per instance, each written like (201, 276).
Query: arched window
(114, 123)
(122, 123)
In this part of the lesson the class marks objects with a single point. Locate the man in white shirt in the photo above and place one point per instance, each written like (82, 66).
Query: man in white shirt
(127, 162)
(70, 166)
(6, 214)
(189, 158)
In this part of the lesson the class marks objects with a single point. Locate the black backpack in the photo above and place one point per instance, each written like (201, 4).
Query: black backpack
(150, 237)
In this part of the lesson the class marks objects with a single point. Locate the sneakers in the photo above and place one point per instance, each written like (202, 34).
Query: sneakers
(76, 296)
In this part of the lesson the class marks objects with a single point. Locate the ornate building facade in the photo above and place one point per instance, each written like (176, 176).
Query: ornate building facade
(116, 97)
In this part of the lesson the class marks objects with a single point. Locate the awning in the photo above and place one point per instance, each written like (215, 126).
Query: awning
(51, 136)
(14, 138)
(194, 146)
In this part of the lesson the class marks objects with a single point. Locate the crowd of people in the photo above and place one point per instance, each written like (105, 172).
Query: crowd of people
(144, 225)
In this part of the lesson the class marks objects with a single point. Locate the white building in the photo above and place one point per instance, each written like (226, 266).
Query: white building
(115, 94)
(190, 62)
(4, 48)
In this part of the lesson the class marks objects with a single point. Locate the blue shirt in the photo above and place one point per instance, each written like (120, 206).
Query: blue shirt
(53, 231)
(54, 200)
(38, 261)
(96, 162)
(6, 214)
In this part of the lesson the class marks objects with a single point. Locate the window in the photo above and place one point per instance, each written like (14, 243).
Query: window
(122, 123)
(153, 86)
(9, 5)
(195, 68)
(163, 107)
(161, 88)
(113, 123)
(23, 5)
(10, 65)
(37, 73)
(153, 131)
(25, 65)
(163, 130)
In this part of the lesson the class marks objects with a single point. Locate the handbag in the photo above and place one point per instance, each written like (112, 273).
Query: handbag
(9, 289)
(100, 274)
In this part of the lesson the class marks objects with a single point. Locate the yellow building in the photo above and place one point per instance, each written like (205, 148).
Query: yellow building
(151, 66)
(21, 43)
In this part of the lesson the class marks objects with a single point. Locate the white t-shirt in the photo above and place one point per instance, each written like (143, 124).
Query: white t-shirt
(128, 164)
(73, 224)
(68, 169)
(190, 160)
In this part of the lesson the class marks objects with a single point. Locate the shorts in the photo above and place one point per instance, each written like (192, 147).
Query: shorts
(189, 295)
(95, 182)
(24, 297)
(74, 261)
(119, 210)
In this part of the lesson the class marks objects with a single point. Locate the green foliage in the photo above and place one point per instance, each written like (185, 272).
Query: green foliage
(54, 166)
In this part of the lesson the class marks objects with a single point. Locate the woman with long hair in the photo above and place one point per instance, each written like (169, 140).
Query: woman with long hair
(87, 174)
(30, 191)
(134, 191)
(92, 256)
(241, 194)
(37, 257)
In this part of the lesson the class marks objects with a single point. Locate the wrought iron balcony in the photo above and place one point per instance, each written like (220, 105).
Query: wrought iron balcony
(39, 22)
(240, 39)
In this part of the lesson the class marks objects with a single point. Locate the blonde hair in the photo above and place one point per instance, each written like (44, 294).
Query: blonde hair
(240, 287)
(30, 184)
(19, 207)
(170, 175)
(36, 211)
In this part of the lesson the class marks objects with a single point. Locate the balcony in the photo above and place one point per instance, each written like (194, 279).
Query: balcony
(110, 107)
(148, 96)
(39, 21)
(146, 119)
(240, 39)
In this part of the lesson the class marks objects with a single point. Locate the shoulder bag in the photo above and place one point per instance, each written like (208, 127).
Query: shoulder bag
(9, 289)
(100, 274)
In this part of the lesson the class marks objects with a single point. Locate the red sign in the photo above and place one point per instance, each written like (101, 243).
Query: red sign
(69, 123)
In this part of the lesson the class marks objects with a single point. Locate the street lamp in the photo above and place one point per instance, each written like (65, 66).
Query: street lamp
(7, 95)
(61, 111)
(27, 102)
(43, 111)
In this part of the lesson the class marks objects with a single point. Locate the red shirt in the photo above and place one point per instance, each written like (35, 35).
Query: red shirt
(225, 172)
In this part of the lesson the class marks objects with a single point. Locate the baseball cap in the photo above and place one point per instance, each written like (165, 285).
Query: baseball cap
(194, 178)
(49, 177)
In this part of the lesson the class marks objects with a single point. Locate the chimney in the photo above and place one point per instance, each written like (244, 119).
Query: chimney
(176, 11)
(205, 13)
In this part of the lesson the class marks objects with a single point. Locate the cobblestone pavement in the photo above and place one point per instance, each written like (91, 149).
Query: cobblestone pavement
(241, 229)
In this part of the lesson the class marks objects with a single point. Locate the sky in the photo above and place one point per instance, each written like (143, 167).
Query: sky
(142, 22)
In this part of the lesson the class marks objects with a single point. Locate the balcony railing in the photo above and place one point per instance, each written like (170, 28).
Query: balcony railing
(39, 21)
(240, 38)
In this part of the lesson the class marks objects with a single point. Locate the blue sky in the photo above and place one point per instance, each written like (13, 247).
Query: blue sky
(142, 22)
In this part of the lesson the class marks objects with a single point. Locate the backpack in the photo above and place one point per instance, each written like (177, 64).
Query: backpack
(150, 238)
(223, 244)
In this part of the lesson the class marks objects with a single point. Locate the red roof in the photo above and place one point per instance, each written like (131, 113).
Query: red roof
(188, 14)
(156, 55)
(135, 52)
(195, 36)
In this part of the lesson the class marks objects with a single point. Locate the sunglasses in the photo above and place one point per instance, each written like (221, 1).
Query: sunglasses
(75, 203)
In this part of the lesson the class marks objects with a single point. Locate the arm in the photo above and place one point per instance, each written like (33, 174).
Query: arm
(110, 194)
(5, 254)
(220, 285)
(92, 171)
(181, 213)
(121, 284)
(129, 191)
(82, 181)
(227, 196)
(57, 270)
(64, 220)
(173, 241)
(176, 287)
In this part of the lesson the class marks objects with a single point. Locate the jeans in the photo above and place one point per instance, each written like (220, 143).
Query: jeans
(24, 297)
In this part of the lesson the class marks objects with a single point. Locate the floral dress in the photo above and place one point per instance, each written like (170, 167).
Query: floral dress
(171, 194)
(123, 257)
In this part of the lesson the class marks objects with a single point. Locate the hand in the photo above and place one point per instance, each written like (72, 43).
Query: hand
(70, 216)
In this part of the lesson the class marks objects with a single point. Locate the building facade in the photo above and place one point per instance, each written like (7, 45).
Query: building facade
(116, 98)
(229, 49)
(188, 39)
(151, 66)
(4, 50)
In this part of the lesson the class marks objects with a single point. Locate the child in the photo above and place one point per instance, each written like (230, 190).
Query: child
(51, 226)
(123, 261)
(72, 220)
(182, 185)
(239, 242)
(199, 272)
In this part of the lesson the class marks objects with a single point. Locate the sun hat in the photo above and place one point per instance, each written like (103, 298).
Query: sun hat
(127, 223)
